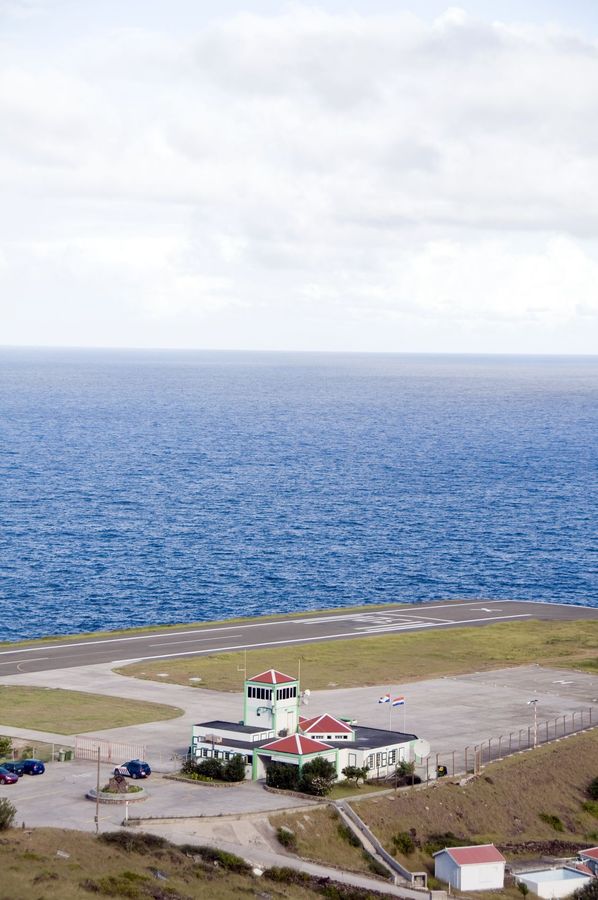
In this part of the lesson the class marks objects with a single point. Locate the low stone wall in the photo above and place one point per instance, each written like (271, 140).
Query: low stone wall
(105, 797)
(216, 784)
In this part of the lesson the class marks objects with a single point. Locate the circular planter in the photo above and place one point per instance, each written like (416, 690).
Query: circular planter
(106, 797)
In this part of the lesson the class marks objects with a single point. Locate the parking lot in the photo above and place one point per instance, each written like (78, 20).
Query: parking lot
(58, 798)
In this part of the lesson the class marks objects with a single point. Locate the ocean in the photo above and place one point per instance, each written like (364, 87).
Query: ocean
(141, 487)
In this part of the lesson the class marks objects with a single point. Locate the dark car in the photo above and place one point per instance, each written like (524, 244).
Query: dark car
(33, 767)
(135, 768)
(16, 766)
(7, 777)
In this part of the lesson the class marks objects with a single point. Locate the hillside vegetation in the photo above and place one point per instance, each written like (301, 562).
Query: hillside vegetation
(537, 796)
(54, 864)
(402, 657)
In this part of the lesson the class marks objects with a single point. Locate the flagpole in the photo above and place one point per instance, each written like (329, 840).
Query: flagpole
(390, 709)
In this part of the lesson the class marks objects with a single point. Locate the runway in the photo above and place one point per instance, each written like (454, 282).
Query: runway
(207, 639)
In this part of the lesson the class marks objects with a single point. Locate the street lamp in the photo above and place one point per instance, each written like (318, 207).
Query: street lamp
(534, 703)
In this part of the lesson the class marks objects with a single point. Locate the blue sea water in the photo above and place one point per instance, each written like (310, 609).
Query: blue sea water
(153, 487)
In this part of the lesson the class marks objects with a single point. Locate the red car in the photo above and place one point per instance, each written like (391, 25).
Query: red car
(7, 777)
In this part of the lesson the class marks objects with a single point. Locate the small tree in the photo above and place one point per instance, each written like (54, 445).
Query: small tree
(523, 888)
(317, 777)
(5, 747)
(7, 813)
(234, 769)
(356, 774)
(593, 789)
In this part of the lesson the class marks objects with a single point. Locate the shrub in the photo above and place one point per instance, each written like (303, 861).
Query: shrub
(347, 835)
(591, 807)
(234, 769)
(356, 774)
(589, 892)
(317, 777)
(593, 789)
(523, 888)
(376, 867)
(403, 843)
(7, 813)
(553, 821)
(5, 747)
(211, 768)
(225, 860)
(134, 842)
(190, 767)
(286, 875)
(287, 838)
(282, 776)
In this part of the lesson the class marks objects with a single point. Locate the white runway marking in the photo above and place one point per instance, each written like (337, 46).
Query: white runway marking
(328, 637)
(192, 641)
(36, 659)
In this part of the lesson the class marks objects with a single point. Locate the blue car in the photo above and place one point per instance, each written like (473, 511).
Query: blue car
(33, 767)
(16, 766)
(135, 768)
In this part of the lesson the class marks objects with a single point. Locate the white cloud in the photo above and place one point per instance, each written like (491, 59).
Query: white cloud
(305, 179)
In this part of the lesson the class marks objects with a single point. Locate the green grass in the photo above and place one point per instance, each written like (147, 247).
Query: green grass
(402, 657)
(73, 712)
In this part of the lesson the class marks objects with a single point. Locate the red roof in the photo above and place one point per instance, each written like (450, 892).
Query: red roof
(325, 723)
(592, 853)
(297, 744)
(583, 869)
(472, 856)
(272, 677)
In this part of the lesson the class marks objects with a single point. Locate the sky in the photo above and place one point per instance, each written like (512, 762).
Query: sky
(348, 176)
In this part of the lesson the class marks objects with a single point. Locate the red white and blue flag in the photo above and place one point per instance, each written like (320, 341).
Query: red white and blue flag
(398, 701)
(384, 699)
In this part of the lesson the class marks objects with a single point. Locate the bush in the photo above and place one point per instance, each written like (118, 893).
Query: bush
(317, 777)
(211, 768)
(591, 807)
(356, 774)
(134, 842)
(403, 843)
(523, 888)
(589, 892)
(5, 747)
(225, 860)
(234, 769)
(593, 789)
(287, 838)
(347, 835)
(282, 776)
(7, 814)
(553, 821)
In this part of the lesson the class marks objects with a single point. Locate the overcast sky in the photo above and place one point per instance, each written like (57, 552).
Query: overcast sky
(367, 175)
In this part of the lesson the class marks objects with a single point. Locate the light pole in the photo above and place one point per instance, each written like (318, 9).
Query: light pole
(534, 703)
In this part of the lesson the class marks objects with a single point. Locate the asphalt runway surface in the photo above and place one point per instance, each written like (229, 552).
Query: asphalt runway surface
(207, 639)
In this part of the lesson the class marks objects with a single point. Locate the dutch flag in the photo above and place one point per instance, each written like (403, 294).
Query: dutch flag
(398, 701)
(384, 699)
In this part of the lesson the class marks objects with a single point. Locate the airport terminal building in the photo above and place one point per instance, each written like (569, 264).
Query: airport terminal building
(272, 730)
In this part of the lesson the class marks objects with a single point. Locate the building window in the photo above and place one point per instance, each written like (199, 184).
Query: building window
(352, 759)
(392, 756)
(384, 759)
(371, 760)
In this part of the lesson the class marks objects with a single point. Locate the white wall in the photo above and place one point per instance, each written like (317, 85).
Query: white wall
(481, 877)
(551, 889)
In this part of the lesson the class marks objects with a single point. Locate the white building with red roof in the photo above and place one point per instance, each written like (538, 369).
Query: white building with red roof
(478, 868)
(590, 859)
(272, 731)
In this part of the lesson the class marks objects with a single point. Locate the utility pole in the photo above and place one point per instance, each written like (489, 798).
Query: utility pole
(534, 703)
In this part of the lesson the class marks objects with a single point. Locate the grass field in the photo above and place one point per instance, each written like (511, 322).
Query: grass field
(72, 712)
(504, 805)
(402, 657)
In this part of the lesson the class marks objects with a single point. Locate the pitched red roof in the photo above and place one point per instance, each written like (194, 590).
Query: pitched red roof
(472, 856)
(592, 853)
(579, 867)
(297, 744)
(325, 723)
(272, 677)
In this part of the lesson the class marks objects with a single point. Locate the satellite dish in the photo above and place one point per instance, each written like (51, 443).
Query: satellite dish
(421, 748)
(305, 697)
